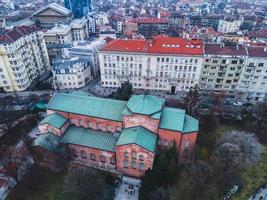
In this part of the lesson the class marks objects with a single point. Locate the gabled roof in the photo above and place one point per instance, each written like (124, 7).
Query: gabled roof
(139, 136)
(145, 104)
(56, 7)
(88, 106)
(56, 120)
(48, 141)
(176, 120)
(89, 138)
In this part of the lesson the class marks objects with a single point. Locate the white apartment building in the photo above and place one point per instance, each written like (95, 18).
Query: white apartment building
(79, 30)
(59, 34)
(229, 25)
(89, 51)
(23, 57)
(91, 24)
(71, 73)
(164, 63)
(253, 82)
(222, 67)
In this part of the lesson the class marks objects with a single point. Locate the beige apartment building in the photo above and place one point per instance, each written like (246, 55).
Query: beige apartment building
(23, 57)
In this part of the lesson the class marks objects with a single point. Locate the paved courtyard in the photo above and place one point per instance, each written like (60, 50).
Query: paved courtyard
(128, 189)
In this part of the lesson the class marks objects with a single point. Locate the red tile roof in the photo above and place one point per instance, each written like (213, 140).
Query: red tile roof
(150, 20)
(159, 44)
(16, 33)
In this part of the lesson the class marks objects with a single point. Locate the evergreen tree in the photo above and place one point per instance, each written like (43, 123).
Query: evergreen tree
(124, 92)
(192, 100)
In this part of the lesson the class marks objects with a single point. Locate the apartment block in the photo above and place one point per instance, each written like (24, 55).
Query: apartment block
(69, 73)
(253, 82)
(162, 63)
(229, 25)
(23, 57)
(222, 68)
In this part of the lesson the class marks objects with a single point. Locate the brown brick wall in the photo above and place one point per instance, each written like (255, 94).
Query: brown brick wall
(94, 163)
(91, 122)
(148, 159)
(140, 120)
(166, 137)
(187, 147)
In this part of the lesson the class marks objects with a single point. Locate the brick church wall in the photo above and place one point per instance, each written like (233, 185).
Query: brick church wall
(86, 159)
(148, 158)
(140, 120)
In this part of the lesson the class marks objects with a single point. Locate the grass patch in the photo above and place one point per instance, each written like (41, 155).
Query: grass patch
(253, 177)
(50, 186)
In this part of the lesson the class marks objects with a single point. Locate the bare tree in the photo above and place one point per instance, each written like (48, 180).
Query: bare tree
(241, 147)
(88, 183)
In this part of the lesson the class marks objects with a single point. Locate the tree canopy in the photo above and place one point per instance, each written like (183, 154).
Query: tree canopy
(124, 92)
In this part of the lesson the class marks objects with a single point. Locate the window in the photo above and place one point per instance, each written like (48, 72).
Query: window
(92, 156)
(234, 62)
(102, 158)
(74, 153)
(142, 166)
(125, 163)
(83, 154)
(134, 155)
(134, 164)
(141, 158)
(112, 160)
(126, 154)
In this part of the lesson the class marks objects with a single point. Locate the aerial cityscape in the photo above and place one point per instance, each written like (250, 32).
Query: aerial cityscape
(133, 100)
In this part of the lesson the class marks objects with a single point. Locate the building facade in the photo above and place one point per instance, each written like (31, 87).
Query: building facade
(253, 81)
(71, 73)
(89, 51)
(49, 15)
(163, 63)
(23, 57)
(229, 25)
(223, 66)
(112, 135)
(79, 30)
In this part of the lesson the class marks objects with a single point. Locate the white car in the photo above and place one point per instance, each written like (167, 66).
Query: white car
(237, 103)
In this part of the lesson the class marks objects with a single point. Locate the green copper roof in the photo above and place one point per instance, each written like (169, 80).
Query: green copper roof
(87, 105)
(172, 119)
(89, 138)
(140, 136)
(191, 124)
(55, 120)
(48, 141)
(145, 104)
(176, 120)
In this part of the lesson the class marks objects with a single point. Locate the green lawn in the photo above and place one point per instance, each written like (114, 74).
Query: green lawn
(253, 177)
(49, 187)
